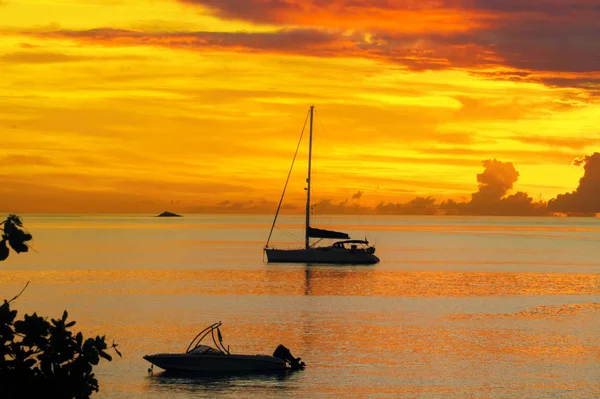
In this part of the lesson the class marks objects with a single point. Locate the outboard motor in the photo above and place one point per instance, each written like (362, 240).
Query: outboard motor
(284, 353)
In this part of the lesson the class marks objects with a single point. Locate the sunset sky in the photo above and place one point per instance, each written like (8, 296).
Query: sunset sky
(192, 105)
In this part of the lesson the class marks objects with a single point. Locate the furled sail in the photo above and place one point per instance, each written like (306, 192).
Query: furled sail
(320, 233)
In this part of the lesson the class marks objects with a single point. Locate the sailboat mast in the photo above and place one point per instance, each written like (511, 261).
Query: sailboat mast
(306, 240)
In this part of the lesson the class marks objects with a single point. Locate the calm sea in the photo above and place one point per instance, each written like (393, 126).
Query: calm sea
(459, 307)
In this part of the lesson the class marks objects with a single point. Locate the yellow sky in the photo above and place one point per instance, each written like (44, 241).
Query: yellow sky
(132, 105)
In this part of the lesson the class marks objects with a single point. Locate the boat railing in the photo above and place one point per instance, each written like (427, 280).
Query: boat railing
(218, 340)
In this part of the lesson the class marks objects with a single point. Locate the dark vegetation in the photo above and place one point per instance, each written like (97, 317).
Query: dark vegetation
(14, 235)
(41, 358)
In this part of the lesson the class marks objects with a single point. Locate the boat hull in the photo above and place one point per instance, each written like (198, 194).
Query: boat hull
(321, 255)
(215, 363)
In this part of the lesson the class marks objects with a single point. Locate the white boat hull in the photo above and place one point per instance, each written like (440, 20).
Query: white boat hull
(321, 255)
(215, 363)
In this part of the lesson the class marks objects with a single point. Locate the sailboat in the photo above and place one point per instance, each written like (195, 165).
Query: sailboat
(344, 251)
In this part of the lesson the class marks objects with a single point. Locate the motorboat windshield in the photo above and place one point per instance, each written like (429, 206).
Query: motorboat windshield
(205, 350)
(197, 348)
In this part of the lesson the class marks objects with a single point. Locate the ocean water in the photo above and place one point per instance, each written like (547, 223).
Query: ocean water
(459, 307)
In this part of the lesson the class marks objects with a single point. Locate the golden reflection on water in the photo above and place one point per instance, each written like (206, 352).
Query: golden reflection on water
(320, 282)
(381, 331)
(538, 312)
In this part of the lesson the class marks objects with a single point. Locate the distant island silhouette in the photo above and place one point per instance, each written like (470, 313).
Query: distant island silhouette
(167, 214)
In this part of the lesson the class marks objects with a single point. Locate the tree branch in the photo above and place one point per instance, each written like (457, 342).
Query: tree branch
(19, 294)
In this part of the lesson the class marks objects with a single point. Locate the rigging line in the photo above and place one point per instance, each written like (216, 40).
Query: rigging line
(287, 180)
(292, 235)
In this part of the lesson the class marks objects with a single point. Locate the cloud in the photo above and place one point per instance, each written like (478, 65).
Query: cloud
(497, 178)
(279, 41)
(39, 57)
(495, 182)
(522, 35)
(344, 14)
(49, 57)
(586, 198)
(227, 206)
(255, 11)
(479, 36)
(357, 195)
(417, 206)
(372, 13)
(328, 207)
(555, 8)
(575, 143)
(492, 198)
(26, 160)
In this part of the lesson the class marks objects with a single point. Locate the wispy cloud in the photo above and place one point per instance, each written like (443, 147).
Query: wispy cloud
(49, 57)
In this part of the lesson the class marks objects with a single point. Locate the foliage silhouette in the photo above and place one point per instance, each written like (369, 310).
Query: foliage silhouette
(41, 359)
(14, 235)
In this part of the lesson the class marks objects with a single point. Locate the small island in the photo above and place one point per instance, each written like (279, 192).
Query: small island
(168, 214)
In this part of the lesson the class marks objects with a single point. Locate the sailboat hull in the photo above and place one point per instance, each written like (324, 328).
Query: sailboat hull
(321, 255)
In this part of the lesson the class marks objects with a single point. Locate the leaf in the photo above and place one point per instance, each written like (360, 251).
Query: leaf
(7, 316)
(3, 250)
(18, 245)
(114, 346)
(9, 227)
(15, 219)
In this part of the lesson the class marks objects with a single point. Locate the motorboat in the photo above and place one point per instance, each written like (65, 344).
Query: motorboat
(350, 252)
(206, 359)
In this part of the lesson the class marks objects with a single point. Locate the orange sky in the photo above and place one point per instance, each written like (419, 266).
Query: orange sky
(142, 106)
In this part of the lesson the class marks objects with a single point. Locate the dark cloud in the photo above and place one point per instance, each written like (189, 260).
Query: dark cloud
(586, 199)
(497, 178)
(542, 45)
(556, 8)
(357, 195)
(328, 207)
(274, 11)
(495, 182)
(250, 206)
(492, 198)
(529, 36)
(528, 44)
(249, 10)
(305, 41)
(417, 206)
